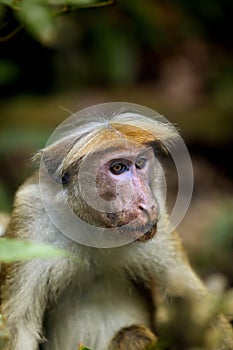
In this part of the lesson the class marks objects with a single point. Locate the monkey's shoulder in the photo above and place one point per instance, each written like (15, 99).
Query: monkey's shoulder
(27, 208)
(29, 189)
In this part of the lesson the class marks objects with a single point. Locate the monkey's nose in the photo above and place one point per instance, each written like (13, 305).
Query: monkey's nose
(147, 207)
(142, 208)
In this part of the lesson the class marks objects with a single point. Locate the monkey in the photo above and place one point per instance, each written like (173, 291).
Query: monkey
(105, 173)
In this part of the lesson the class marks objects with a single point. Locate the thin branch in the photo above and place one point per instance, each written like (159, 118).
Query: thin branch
(12, 34)
(69, 8)
(101, 4)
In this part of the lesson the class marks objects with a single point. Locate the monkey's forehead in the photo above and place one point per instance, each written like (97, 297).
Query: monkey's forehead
(131, 152)
(117, 138)
(133, 133)
(121, 135)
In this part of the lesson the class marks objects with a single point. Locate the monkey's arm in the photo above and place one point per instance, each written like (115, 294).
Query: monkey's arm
(24, 300)
(27, 287)
(171, 267)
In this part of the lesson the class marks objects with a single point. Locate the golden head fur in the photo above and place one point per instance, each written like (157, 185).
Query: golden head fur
(92, 136)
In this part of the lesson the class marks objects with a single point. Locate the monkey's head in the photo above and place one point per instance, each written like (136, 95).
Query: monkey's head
(110, 172)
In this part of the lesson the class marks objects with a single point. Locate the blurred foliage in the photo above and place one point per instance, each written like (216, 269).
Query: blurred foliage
(15, 250)
(114, 45)
(215, 253)
(82, 347)
(5, 198)
(223, 224)
(197, 327)
(38, 15)
(8, 72)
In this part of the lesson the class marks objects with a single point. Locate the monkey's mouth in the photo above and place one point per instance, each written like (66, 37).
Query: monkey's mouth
(148, 234)
(140, 233)
(140, 229)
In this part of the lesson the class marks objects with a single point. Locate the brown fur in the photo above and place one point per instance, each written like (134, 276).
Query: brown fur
(136, 337)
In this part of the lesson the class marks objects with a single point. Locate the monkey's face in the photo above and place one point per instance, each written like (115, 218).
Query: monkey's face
(102, 165)
(113, 189)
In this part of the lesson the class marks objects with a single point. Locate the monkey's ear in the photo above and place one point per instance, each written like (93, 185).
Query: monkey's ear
(53, 158)
(159, 149)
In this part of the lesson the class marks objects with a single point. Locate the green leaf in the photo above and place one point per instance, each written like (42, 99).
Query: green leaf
(83, 348)
(38, 18)
(15, 250)
(8, 2)
(80, 3)
(71, 2)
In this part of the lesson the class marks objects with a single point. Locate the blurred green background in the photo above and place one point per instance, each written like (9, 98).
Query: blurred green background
(173, 56)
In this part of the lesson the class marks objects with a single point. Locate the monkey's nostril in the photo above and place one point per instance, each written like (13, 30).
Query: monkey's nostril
(141, 208)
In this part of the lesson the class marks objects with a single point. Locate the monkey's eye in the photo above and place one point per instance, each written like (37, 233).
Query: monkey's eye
(65, 179)
(140, 163)
(118, 168)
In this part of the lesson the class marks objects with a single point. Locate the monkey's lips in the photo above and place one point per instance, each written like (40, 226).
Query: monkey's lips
(139, 233)
(140, 229)
(149, 234)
